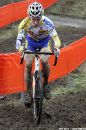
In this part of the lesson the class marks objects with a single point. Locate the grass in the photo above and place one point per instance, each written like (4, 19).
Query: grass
(73, 89)
(8, 32)
(5, 2)
(72, 8)
(76, 82)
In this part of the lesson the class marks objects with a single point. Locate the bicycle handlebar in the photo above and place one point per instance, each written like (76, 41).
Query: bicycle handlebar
(39, 53)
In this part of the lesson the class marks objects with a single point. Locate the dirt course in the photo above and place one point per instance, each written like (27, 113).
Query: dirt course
(67, 110)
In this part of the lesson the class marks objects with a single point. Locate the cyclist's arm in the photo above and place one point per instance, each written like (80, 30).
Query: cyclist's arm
(53, 32)
(21, 33)
(55, 37)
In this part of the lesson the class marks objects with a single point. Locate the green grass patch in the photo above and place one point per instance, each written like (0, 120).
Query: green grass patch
(72, 8)
(73, 89)
(76, 82)
(8, 32)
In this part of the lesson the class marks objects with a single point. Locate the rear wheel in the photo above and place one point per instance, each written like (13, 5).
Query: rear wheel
(38, 101)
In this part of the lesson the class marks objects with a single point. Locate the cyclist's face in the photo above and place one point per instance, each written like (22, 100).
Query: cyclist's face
(35, 21)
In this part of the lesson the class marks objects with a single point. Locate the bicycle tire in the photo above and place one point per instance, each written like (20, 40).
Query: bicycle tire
(38, 98)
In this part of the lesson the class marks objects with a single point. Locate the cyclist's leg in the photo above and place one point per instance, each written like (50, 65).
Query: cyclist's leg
(28, 66)
(28, 78)
(26, 96)
(45, 65)
(27, 71)
(46, 71)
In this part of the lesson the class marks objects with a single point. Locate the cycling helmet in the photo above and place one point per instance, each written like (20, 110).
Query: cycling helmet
(35, 9)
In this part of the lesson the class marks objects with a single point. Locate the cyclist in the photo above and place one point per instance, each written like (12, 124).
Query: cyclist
(38, 30)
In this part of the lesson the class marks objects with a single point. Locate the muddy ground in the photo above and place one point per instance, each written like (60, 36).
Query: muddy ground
(67, 110)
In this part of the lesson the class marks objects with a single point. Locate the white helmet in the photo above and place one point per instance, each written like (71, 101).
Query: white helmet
(35, 10)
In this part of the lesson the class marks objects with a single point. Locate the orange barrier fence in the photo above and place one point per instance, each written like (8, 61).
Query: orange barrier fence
(12, 73)
(16, 11)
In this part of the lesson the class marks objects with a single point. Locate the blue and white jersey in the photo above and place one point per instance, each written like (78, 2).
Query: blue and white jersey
(45, 28)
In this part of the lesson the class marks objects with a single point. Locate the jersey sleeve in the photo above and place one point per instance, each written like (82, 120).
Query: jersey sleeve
(53, 32)
(24, 24)
(56, 39)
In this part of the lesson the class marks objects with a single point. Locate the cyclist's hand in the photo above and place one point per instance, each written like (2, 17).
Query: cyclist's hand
(56, 52)
(21, 49)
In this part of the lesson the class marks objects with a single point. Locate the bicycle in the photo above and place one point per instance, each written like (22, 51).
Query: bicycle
(37, 84)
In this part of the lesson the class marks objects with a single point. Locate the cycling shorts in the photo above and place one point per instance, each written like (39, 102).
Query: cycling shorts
(33, 44)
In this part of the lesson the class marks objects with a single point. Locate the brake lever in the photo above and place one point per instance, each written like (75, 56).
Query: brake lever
(22, 58)
(55, 62)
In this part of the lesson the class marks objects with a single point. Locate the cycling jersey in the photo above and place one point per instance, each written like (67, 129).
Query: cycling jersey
(40, 32)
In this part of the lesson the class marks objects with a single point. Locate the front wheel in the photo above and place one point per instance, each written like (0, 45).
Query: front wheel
(38, 101)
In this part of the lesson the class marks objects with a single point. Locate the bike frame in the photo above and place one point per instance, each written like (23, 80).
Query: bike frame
(36, 69)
